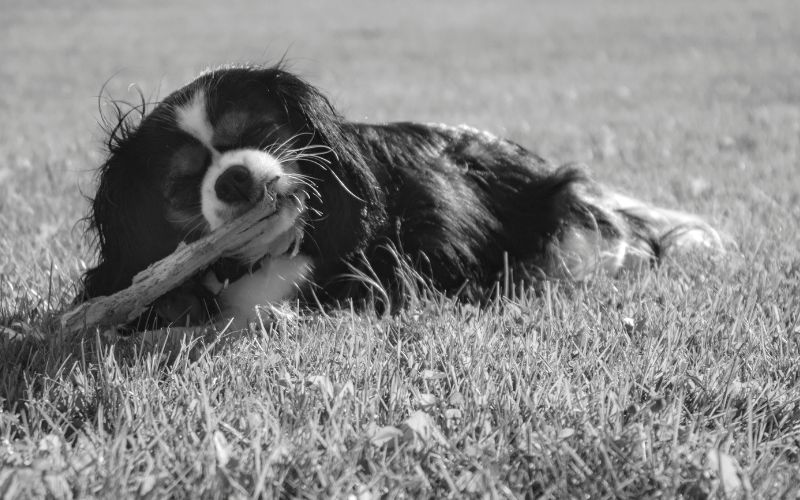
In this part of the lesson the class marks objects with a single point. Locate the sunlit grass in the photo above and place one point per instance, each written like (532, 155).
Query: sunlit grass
(655, 384)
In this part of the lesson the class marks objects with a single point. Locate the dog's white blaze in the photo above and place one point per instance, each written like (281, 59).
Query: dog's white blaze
(192, 118)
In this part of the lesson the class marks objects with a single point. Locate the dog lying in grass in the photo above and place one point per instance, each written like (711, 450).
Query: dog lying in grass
(456, 205)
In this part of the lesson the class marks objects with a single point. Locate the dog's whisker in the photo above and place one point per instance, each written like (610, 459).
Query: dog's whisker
(282, 146)
(315, 161)
(312, 147)
(304, 182)
(302, 156)
(299, 155)
(269, 135)
(320, 160)
(300, 179)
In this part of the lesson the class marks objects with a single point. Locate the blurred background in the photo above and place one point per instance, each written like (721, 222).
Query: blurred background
(686, 103)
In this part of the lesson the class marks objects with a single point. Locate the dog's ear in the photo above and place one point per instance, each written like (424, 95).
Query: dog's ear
(127, 218)
(351, 200)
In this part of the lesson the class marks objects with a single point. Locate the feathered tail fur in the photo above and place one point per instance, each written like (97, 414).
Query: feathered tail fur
(615, 232)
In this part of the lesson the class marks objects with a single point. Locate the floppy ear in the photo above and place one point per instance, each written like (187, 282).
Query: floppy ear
(351, 200)
(127, 216)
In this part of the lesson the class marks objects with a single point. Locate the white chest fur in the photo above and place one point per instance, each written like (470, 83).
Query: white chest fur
(276, 280)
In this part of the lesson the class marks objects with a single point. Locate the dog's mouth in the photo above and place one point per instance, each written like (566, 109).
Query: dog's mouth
(252, 256)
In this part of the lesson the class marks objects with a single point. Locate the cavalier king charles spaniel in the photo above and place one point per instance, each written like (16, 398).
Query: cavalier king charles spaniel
(457, 206)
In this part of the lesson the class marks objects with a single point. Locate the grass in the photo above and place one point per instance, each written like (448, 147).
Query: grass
(682, 381)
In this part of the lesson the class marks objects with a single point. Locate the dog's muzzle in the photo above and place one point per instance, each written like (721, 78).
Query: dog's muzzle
(286, 244)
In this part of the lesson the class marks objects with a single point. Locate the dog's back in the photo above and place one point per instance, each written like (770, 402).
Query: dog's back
(459, 200)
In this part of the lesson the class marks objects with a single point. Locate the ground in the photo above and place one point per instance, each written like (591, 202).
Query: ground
(682, 380)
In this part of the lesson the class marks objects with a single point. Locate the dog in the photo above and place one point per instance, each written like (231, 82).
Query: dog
(456, 206)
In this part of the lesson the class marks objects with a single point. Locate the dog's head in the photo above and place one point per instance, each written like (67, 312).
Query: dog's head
(212, 150)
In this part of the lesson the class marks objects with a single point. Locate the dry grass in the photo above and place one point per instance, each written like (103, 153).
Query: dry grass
(652, 385)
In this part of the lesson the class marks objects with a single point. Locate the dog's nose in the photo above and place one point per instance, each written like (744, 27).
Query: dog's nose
(235, 184)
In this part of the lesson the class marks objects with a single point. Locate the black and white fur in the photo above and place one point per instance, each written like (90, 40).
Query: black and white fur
(446, 201)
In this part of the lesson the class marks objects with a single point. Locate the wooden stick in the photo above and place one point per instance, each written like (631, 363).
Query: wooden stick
(171, 271)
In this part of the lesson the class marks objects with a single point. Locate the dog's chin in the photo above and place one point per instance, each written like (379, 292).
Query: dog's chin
(253, 255)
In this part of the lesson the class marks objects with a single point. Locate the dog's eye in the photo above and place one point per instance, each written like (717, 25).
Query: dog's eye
(190, 159)
(257, 135)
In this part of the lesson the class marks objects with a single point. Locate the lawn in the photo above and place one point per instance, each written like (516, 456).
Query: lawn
(682, 380)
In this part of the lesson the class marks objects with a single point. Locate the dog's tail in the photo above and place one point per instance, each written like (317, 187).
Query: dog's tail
(611, 232)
